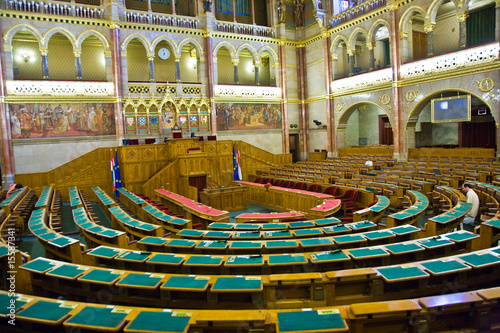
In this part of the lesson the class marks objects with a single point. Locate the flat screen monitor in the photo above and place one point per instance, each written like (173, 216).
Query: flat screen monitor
(450, 109)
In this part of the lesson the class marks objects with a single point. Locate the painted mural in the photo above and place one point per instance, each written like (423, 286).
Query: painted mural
(244, 116)
(56, 120)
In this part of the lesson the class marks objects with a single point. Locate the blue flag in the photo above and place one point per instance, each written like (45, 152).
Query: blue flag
(117, 177)
(236, 165)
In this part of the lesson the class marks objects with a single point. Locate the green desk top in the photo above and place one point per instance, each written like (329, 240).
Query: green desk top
(139, 280)
(248, 260)
(413, 211)
(62, 241)
(434, 243)
(51, 312)
(478, 260)
(461, 236)
(329, 256)
(497, 250)
(344, 239)
(278, 234)
(204, 261)
(104, 276)
(237, 283)
(152, 241)
(67, 271)
(269, 226)
(444, 266)
(443, 218)
(191, 282)
(86, 224)
(104, 252)
(109, 233)
(218, 234)
(148, 226)
(361, 225)
(247, 226)
(455, 213)
(401, 215)
(284, 259)
(316, 242)
(48, 236)
(39, 265)
(181, 243)
(281, 244)
(378, 234)
(245, 245)
(218, 225)
(307, 232)
(166, 258)
(298, 321)
(137, 256)
(98, 317)
(95, 229)
(404, 229)
(393, 274)
(178, 221)
(165, 322)
(3, 251)
(339, 228)
(326, 221)
(190, 233)
(300, 224)
(247, 234)
(403, 248)
(212, 244)
(131, 223)
(5, 302)
(368, 253)
(493, 223)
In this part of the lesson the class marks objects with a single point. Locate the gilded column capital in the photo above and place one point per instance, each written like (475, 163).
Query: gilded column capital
(177, 58)
(151, 57)
(351, 52)
(429, 27)
(235, 62)
(403, 35)
(370, 46)
(44, 51)
(77, 53)
(334, 57)
(462, 16)
(393, 5)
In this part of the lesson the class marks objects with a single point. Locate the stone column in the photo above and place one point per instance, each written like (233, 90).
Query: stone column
(334, 67)
(178, 68)
(462, 23)
(117, 80)
(406, 54)
(151, 65)
(234, 10)
(284, 108)
(275, 72)
(303, 107)
(429, 30)
(211, 79)
(330, 112)
(78, 64)
(371, 53)
(173, 7)
(252, 10)
(351, 54)
(235, 66)
(256, 68)
(45, 66)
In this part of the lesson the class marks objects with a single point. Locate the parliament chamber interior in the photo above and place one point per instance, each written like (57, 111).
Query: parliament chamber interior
(259, 166)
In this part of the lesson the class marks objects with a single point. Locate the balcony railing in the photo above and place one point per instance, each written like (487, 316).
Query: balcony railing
(362, 81)
(160, 89)
(247, 92)
(355, 12)
(55, 8)
(135, 16)
(59, 88)
(244, 29)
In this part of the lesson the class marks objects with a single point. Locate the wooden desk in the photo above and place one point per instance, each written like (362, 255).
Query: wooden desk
(232, 198)
(268, 217)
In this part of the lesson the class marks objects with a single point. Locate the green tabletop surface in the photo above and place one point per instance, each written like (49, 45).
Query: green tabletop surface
(105, 252)
(329, 256)
(131, 223)
(39, 265)
(298, 321)
(378, 234)
(392, 274)
(455, 213)
(3, 251)
(401, 215)
(152, 241)
(150, 321)
(404, 229)
(367, 252)
(86, 224)
(62, 241)
(247, 260)
(307, 232)
(497, 250)
(444, 266)
(178, 221)
(443, 218)
(326, 221)
(5, 302)
(493, 223)
(403, 248)
(95, 229)
(109, 233)
(413, 211)
(133, 256)
(281, 244)
(287, 259)
(190, 233)
(98, 317)
(432, 243)
(237, 283)
(278, 234)
(336, 229)
(477, 260)
(361, 225)
(245, 245)
(269, 226)
(148, 226)
(52, 312)
(181, 243)
(204, 261)
(67, 271)
(461, 236)
(342, 239)
(48, 236)
(100, 276)
(219, 225)
(139, 280)
(218, 234)
(247, 226)
(300, 224)
(316, 242)
(192, 282)
(212, 244)
(166, 258)
(247, 234)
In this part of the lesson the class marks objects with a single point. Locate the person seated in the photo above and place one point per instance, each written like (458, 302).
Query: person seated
(13, 189)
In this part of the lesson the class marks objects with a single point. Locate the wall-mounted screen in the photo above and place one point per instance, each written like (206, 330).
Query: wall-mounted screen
(450, 109)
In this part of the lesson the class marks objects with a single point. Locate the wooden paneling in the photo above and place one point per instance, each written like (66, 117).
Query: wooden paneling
(380, 151)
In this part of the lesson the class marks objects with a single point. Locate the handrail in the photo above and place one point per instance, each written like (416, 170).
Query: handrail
(56, 8)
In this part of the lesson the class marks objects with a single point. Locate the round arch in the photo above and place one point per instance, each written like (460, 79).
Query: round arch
(249, 48)
(373, 29)
(270, 51)
(141, 38)
(169, 41)
(354, 35)
(52, 31)
(193, 42)
(226, 45)
(82, 36)
(12, 31)
(433, 9)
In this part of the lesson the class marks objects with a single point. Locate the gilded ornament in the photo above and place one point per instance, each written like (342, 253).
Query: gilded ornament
(385, 99)
(485, 85)
(339, 106)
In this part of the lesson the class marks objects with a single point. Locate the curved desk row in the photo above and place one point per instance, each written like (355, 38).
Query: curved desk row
(74, 197)
(273, 226)
(411, 215)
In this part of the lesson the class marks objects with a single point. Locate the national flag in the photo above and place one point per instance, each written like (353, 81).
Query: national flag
(236, 165)
(238, 161)
(112, 165)
(117, 177)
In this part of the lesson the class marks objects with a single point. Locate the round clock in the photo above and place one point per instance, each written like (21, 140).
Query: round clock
(163, 53)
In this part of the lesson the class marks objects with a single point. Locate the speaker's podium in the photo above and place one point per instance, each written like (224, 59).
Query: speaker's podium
(232, 198)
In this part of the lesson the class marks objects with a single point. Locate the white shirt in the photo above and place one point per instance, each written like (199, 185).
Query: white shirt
(474, 200)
